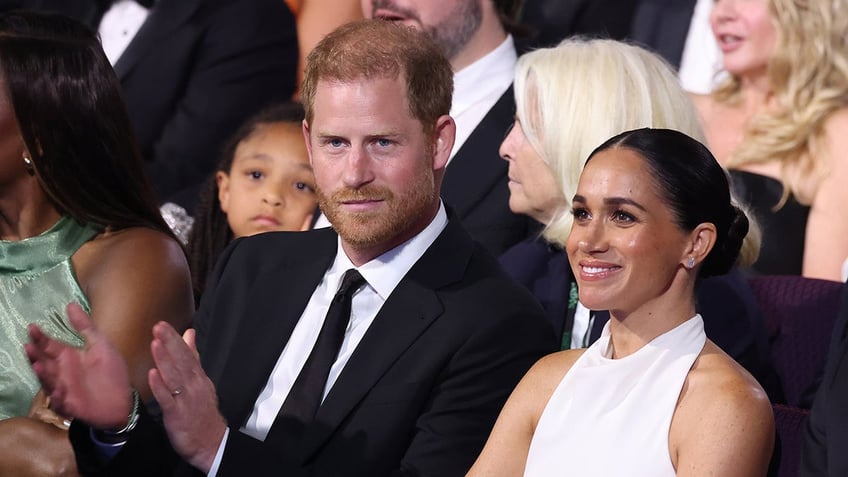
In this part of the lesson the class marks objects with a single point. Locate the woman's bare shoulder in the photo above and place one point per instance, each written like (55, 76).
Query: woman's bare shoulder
(553, 367)
(542, 379)
(730, 412)
(715, 374)
(129, 262)
(138, 248)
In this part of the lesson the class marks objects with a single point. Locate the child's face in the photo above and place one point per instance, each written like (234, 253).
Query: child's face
(270, 185)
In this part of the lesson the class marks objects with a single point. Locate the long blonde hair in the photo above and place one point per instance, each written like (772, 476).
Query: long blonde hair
(808, 76)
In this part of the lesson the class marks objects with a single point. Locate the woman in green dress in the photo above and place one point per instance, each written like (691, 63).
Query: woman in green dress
(78, 224)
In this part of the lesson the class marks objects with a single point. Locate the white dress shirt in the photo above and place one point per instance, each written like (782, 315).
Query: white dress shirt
(119, 26)
(382, 276)
(478, 86)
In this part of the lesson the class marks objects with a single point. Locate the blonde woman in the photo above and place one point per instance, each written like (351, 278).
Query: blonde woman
(780, 123)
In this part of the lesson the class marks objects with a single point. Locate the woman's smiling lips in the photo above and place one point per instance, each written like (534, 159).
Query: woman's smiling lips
(593, 270)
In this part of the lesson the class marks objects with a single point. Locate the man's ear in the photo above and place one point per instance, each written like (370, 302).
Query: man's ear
(444, 135)
(223, 181)
(305, 128)
(701, 241)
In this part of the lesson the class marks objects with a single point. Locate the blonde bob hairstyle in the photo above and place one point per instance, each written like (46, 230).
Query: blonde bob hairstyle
(572, 97)
(808, 76)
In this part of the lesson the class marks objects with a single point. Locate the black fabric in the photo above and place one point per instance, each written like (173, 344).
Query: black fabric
(783, 230)
(105, 4)
(304, 398)
(551, 21)
(662, 26)
(826, 433)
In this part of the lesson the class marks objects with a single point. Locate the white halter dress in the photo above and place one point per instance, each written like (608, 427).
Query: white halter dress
(611, 417)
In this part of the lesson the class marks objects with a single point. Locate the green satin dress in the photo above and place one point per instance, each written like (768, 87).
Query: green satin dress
(37, 281)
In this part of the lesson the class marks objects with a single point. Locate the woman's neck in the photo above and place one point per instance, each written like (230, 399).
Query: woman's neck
(630, 331)
(25, 212)
(756, 94)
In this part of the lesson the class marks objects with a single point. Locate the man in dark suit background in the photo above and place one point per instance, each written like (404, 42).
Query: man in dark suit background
(826, 435)
(438, 335)
(192, 72)
(474, 36)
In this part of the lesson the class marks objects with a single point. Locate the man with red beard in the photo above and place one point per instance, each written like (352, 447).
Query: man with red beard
(437, 335)
(474, 36)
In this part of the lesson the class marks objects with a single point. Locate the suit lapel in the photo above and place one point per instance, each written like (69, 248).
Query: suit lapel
(273, 309)
(476, 168)
(409, 311)
(166, 17)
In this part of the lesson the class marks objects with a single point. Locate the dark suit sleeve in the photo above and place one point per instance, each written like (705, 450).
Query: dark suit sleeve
(246, 59)
(147, 452)
(201, 319)
(826, 433)
(473, 388)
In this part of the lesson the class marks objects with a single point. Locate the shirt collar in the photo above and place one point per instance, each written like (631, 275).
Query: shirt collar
(385, 272)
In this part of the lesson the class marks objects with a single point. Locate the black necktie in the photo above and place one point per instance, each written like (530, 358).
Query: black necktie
(303, 400)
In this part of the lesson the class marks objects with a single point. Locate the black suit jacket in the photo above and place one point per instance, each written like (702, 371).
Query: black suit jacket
(192, 74)
(662, 26)
(826, 435)
(732, 319)
(475, 183)
(418, 396)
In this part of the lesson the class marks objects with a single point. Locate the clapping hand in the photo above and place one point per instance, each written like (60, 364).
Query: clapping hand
(89, 383)
(187, 397)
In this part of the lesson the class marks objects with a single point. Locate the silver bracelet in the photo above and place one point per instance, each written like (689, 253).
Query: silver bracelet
(132, 419)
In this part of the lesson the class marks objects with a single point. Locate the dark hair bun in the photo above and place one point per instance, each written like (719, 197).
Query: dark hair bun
(726, 250)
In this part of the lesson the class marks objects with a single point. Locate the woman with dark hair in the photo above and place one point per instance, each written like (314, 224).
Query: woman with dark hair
(78, 224)
(653, 396)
